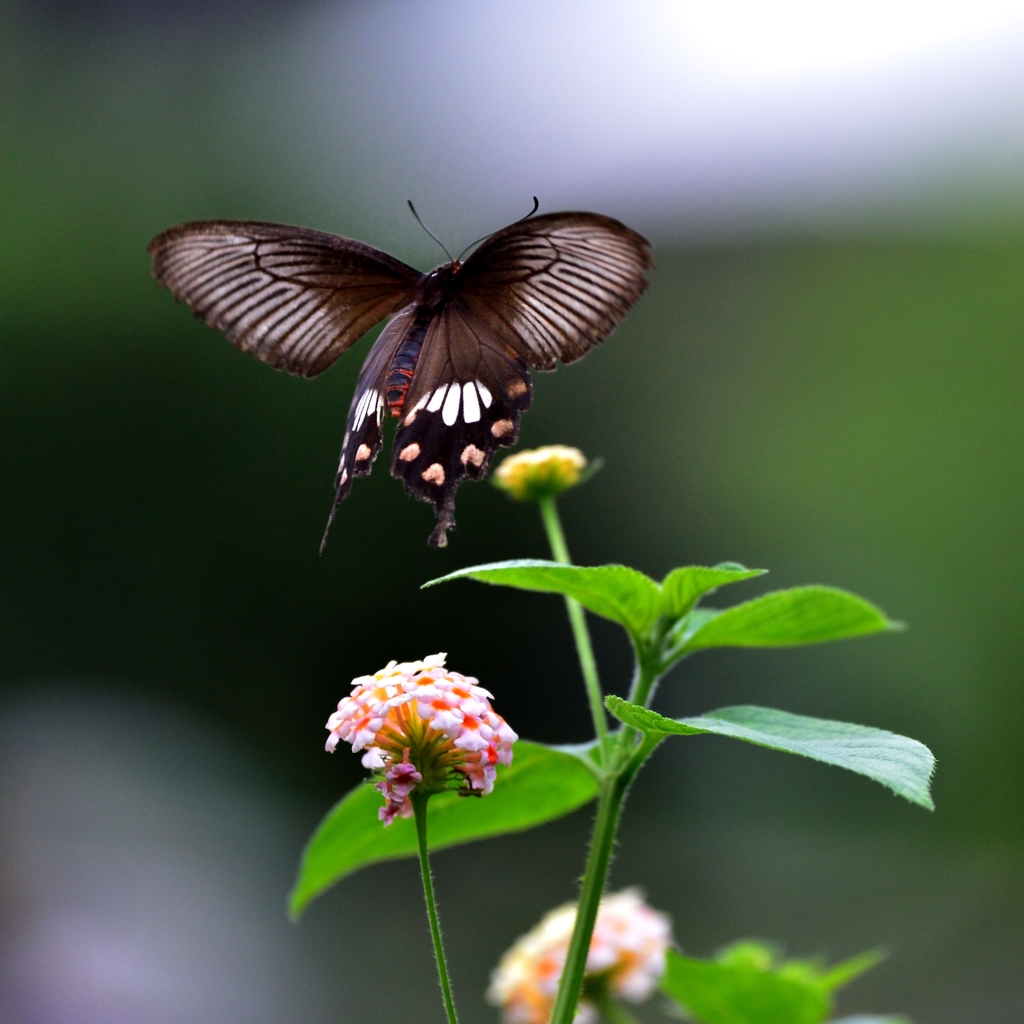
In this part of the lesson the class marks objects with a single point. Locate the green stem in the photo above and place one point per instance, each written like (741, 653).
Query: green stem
(629, 759)
(598, 859)
(578, 621)
(419, 804)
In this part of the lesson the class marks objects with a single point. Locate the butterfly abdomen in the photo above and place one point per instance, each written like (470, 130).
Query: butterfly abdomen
(433, 295)
(403, 366)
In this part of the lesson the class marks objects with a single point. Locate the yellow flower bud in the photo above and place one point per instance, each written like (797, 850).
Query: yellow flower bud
(535, 474)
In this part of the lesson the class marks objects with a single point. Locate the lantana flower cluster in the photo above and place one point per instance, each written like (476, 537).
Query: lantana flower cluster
(422, 727)
(627, 959)
(537, 473)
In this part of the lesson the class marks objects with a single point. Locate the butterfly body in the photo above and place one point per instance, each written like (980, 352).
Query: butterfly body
(453, 361)
(434, 292)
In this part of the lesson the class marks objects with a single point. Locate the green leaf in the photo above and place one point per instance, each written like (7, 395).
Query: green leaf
(682, 588)
(720, 993)
(785, 618)
(898, 762)
(645, 720)
(541, 784)
(848, 970)
(615, 592)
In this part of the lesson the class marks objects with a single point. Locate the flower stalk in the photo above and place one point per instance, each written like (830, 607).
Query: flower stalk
(595, 875)
(419, 804)
(578, 622)
(628, 758)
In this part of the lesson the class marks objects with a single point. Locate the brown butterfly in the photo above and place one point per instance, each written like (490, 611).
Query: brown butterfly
(453, 361)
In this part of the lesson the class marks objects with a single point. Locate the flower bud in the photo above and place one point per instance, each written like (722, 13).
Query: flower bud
(535, 474)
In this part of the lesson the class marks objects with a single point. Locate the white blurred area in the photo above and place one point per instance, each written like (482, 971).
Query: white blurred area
(143, 872)
(691, 120)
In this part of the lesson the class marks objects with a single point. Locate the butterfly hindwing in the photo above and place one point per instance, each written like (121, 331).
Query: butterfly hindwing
(364, 436)
(465, 403)
(295, 298)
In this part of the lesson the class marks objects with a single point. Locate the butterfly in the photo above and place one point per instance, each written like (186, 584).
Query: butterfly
(453, 362)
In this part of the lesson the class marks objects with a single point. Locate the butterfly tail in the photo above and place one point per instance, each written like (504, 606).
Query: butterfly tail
(445, 522)
(338, 498)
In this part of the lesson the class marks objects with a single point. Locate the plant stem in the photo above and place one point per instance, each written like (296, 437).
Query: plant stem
(578, 621)
(571, 985)
(419, 803)
(628, 761)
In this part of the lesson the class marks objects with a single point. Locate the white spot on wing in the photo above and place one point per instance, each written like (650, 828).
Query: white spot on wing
(450, 412)
(485, 395)
(415, 409)
(470, 404)
(436, 399)
(364, 401)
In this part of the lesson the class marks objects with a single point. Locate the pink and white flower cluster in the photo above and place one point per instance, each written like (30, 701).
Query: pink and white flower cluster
(422, 724)
(627, 955)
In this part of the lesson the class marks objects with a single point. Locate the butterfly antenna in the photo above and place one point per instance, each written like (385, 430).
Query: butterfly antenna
(429, 232)
(536, 207)
(536, 204)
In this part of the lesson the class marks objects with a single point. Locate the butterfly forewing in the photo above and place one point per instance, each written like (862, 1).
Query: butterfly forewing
(293, 297)
(554, 286)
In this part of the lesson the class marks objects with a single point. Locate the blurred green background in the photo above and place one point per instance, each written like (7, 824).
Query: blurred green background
(835, 403)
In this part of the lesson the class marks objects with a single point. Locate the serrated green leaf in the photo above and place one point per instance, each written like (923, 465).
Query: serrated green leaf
(645, 720)
(682, 588)
(903, 765)
(786, 618)
(718, 993)
(614, 592)
(541, 784)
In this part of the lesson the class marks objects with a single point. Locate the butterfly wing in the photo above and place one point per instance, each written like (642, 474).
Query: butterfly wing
(554, 286)
(363, 433)
(465, 400)
(293, 297)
